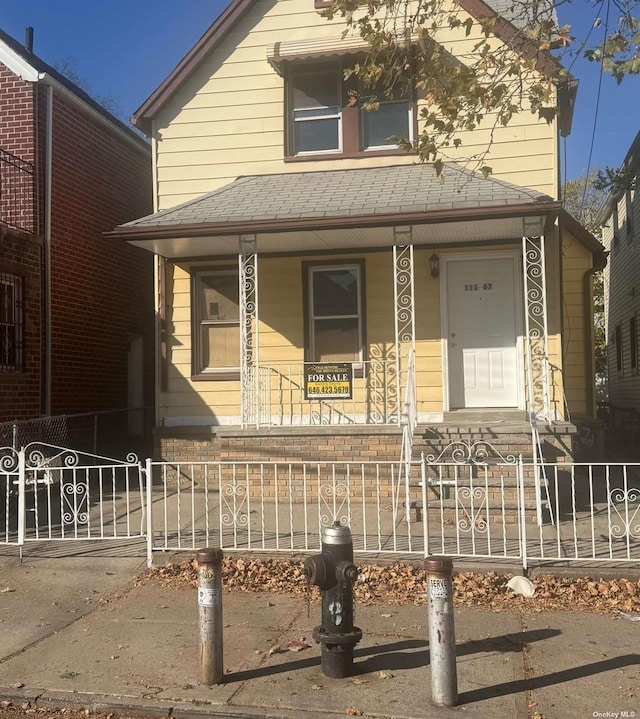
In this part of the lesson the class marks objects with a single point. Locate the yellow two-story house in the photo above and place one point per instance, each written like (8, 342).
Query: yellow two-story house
(319, 291)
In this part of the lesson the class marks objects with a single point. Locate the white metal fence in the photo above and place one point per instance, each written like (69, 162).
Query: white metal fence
(490, 509)
(468, 502)
(54, 493)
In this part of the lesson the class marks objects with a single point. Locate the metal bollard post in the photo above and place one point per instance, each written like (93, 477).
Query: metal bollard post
(210, 615)
(442, 635)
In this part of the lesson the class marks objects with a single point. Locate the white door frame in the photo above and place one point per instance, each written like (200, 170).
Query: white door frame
(445, 259)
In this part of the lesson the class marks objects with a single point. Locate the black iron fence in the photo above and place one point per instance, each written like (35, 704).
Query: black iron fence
(17, 192)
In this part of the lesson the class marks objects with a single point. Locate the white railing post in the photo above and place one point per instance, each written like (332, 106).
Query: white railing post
(522, 514)
(425, 507)
(22, 504)
(148, 480)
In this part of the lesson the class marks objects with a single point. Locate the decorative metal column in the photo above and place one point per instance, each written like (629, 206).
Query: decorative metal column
(404, 297)
(537, 336)
(248, 278)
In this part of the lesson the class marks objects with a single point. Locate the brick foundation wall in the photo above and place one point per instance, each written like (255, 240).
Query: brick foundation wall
(194, 444)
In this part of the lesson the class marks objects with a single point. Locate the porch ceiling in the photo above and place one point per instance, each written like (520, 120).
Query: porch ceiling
(343, 209)
(356, 238)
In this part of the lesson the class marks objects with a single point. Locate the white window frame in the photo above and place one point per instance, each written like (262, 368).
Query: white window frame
(390, 145)
(329, 116)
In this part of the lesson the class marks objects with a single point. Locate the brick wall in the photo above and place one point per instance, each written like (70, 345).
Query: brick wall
(20, 252)
(102, 291)
(16, 115)
(20, 392)
(195, 444)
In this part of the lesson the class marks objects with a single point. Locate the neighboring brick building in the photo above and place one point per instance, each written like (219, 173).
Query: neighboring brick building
(76, 324)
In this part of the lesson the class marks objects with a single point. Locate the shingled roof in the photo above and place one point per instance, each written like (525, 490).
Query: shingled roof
(350, 193)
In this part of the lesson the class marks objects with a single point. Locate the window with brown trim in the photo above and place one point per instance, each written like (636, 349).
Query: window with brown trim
(216, 324)
(11, 322)
(326, 114)
(334, 313)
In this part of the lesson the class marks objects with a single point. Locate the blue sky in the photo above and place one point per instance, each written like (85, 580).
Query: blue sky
(125, 49)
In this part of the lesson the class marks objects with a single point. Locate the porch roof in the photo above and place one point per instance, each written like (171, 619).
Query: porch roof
(339, 209)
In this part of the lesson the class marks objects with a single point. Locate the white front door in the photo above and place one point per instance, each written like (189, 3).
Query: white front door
(482, 332)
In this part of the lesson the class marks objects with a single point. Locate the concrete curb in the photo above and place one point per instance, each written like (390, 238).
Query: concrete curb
(127, 706)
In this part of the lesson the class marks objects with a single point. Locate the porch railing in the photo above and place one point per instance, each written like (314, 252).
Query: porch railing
(375, 399)
(17, 192)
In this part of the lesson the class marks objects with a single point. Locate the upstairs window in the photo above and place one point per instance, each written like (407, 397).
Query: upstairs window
(316, 99)
(10, 322)
(216, 324)
(325, 117)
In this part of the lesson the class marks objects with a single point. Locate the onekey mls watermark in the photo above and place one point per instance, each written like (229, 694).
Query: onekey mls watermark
(614, 715)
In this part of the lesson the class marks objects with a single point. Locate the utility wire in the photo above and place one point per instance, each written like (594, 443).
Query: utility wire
(577, 55)
(595, 117)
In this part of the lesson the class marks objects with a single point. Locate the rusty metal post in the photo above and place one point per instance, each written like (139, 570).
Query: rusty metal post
(442, 636)
(210, 615)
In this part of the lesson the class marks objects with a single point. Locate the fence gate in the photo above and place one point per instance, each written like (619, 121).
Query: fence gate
(57, 493)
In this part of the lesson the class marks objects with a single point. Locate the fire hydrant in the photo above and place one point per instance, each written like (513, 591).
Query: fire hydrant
(334, 572)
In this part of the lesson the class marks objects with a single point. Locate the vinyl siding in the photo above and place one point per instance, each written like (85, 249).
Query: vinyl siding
(227, 120)
(622, 300)
(282, 331)
(577, 326)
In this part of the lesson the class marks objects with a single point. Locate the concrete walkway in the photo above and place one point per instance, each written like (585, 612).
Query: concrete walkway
(76, 631)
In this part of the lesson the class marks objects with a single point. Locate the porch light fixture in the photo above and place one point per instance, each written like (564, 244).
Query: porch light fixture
(434, 262)
(532, 226)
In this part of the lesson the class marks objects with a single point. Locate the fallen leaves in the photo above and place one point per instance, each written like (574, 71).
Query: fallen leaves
(354, 712)
(404, 583)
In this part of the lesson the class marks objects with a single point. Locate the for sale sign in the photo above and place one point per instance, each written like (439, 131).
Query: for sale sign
(328, 380)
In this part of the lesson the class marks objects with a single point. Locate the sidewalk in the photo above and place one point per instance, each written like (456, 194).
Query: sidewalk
(75, 631)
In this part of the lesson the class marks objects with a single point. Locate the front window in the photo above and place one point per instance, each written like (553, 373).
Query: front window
(330, 115)
(335, 316)
(316, 112)
(216, 321)
(10, 322)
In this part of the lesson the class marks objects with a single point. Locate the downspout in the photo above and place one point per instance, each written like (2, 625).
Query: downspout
(47, 250)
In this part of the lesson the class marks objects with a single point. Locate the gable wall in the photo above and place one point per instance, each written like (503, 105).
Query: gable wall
(16, 115)
(227, 120)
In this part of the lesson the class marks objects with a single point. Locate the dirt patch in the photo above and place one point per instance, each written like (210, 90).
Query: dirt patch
(403, 583)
